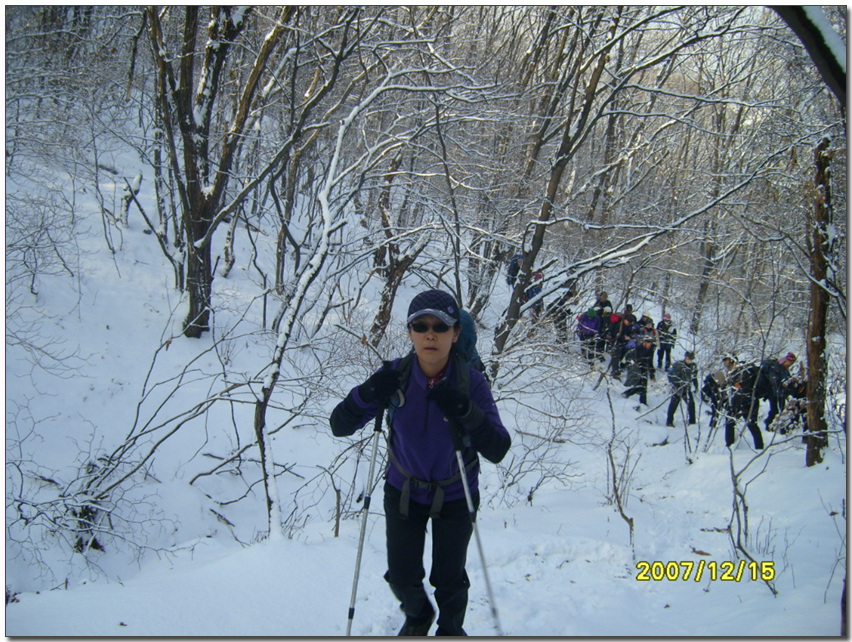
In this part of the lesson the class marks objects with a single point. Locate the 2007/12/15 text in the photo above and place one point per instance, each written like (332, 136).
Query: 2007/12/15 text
(702, 569)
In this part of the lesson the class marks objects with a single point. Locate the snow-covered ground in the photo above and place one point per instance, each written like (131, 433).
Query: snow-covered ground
(559, 566)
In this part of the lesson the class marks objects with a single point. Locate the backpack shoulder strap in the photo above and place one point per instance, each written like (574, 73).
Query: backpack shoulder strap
(462, 369)
(403, 366)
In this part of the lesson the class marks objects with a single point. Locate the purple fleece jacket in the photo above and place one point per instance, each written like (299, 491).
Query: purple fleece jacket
(422, 442)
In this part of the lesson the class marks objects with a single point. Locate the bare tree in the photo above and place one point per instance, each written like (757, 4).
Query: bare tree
(822, 248)
(187, 94)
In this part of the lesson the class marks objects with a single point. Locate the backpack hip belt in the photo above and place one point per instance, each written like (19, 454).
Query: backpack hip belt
(437, 486)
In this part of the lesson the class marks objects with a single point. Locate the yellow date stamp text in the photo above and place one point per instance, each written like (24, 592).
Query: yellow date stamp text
(684, 571)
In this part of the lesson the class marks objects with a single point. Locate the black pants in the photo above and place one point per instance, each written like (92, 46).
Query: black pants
(617, 355)
(588, 347)
(776, 404)
(743, 407)
(640, 388)
(685, 395)
(406, 540)
(664, 350)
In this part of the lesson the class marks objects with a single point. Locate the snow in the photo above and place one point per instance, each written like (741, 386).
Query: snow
(561, 568)
(561, 565)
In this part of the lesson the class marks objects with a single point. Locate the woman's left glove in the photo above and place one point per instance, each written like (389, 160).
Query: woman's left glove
(452, 402)
(456, 405)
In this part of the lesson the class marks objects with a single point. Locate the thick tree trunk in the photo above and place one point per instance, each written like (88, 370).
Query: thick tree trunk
(199, 280)
(187, 93)
(818, 223)
(709, 267)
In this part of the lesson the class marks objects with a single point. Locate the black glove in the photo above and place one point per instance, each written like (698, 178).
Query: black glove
(457, 407)
(452, 402)
(380, 387)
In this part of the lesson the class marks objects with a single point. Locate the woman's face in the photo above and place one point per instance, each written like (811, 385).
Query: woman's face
(432, 348)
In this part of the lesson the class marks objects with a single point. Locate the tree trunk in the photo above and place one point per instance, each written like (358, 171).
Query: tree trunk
(201, 168)
(818, 223)
(199, 270)
(393, 264)
(709, 267)
(396, 271)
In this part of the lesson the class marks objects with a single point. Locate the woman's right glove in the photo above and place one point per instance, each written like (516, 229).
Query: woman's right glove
(380, 387)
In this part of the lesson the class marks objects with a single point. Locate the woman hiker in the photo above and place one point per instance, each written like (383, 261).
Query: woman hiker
(442, 406)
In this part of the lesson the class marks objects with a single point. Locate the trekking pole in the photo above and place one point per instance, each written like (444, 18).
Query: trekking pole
(472, 511)
(367, 498)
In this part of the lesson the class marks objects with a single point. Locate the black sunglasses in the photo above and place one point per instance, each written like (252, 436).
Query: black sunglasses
(419, 327)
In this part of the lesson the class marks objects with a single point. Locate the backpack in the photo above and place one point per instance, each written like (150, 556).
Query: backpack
(767, 380)
(746, 376)
(466, 345)
(680, 375)
(710, 389)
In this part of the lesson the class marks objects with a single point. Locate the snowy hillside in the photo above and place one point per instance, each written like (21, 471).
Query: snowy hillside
(560, 565)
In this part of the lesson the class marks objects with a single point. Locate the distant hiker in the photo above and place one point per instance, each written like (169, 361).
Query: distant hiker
(796, 406)
(645, 327)
(533, 291)
(683, 376)
(715, 388)
(559, 312)
(512, 269)
(602, 302)
(641, 368)
(609, 324)
(588, 331)
(620, 340)
(628, 314)
(667, 336)
(773, 376)
(434, 416)
(744, 404)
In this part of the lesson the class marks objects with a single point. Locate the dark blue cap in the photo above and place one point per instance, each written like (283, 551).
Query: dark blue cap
(437, 303)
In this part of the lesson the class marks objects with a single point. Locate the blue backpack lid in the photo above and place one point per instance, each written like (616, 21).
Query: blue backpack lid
(466, 345)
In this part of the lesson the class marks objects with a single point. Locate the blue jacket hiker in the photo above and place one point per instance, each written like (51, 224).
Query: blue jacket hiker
(589, 326)
(439, 404)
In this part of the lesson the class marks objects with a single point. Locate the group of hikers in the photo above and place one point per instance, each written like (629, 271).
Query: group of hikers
(632, 341)
(734, 391)
(602, 331)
